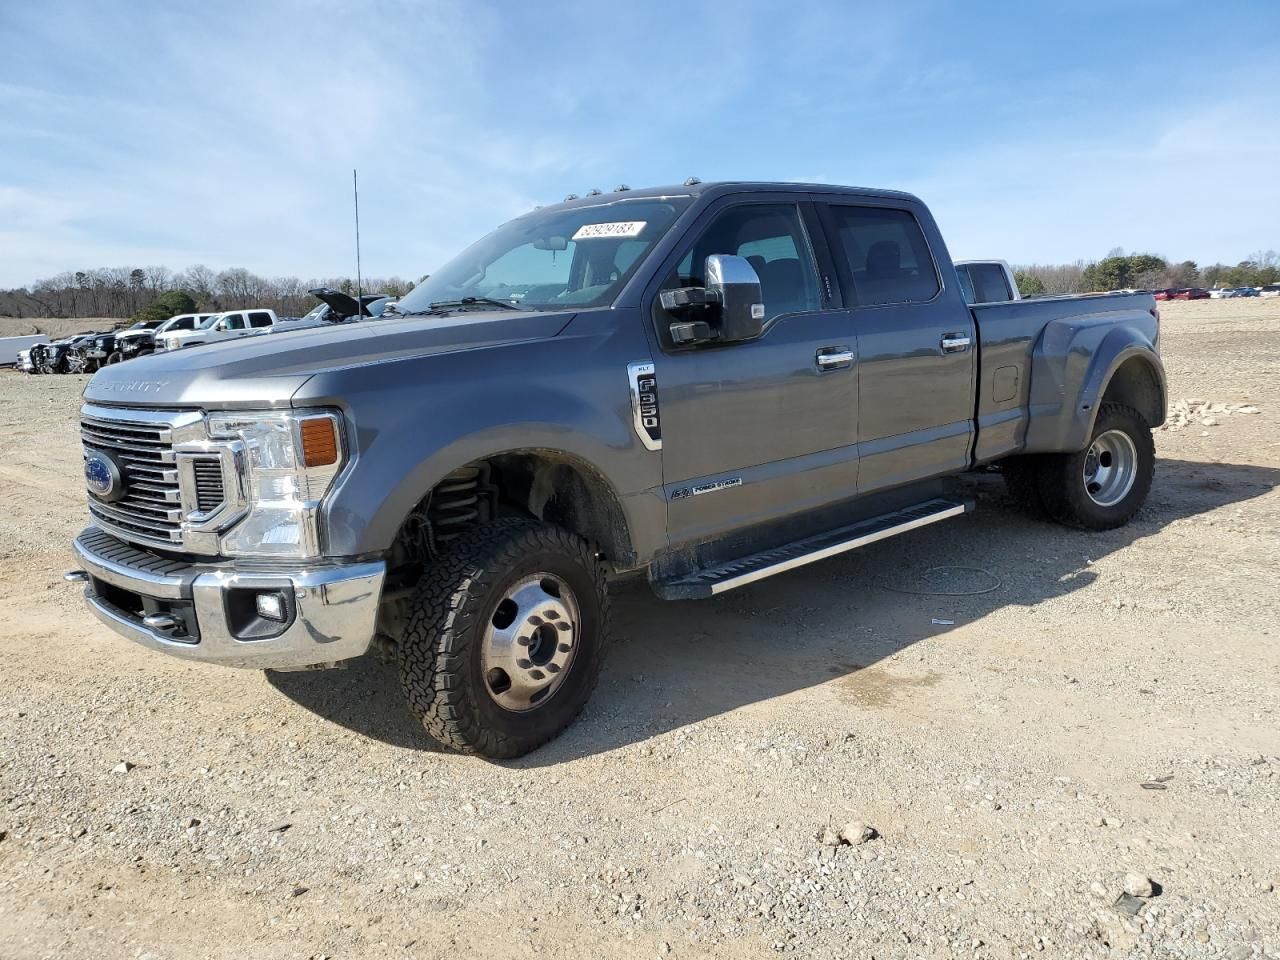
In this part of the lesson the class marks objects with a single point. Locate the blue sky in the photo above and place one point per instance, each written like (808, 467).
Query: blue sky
(225, 133)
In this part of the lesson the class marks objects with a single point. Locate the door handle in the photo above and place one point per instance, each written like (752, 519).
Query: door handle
(955, 342)
(834, 359)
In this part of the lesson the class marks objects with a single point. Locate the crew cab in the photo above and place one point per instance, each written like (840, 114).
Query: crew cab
(703, 384)
(231, 325)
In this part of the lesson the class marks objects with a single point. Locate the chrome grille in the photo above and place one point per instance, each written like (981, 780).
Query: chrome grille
(151, 509)
(180, 489)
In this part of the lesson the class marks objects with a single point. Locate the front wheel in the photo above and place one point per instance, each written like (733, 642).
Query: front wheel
(114, 357)
(1104, 485)
(506, 638)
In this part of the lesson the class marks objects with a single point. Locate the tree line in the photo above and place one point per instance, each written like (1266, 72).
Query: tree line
(129, 291)
(1144, 271)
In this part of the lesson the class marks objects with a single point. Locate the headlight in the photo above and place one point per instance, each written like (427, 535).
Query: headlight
(290, 459)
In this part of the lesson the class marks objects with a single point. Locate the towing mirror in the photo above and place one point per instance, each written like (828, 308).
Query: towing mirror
(736, 287)
(731, 302)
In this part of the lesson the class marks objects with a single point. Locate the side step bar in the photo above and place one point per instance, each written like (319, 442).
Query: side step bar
(738, 573)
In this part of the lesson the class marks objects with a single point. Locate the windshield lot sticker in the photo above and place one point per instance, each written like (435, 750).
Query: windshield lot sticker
(619, 228)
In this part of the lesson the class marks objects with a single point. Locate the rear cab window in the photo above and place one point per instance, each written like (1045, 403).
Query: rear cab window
(885, 253)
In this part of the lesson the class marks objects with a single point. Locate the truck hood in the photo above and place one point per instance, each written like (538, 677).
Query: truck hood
(135, 334)
(266, 371)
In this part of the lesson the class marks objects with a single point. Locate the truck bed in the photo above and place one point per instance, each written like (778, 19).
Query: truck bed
(1035, 353)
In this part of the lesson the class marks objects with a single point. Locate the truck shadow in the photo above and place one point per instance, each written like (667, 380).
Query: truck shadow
(674, 664)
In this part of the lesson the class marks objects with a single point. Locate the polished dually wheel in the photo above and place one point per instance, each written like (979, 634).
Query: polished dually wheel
(530, 642)
(505, 637)
(1110, 466)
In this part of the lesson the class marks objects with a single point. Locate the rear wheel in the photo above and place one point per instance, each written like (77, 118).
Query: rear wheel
(1104, 485)
(506, 638)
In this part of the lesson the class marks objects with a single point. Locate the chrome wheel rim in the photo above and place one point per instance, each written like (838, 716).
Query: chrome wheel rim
(530, 642)
(1110, 467)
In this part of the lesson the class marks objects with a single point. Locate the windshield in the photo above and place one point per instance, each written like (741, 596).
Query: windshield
(318, 312)
(208, 321)
(550, 259)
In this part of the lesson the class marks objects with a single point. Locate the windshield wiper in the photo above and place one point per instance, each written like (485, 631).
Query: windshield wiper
(472, 301)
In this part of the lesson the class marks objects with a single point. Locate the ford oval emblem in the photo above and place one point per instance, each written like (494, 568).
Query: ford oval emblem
(102, 476)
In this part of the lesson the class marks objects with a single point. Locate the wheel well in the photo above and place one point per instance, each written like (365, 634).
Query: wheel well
(568, 492)
(1136, 384)
(545, 484)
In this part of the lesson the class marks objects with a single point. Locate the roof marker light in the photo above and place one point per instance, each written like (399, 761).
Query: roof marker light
(692, 182)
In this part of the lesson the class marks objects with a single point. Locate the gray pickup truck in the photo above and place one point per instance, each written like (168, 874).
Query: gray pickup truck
(706, 383)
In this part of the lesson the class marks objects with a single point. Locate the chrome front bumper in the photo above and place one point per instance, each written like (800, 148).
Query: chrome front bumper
(333, 609)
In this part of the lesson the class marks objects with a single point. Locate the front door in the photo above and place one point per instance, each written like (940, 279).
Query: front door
(756, 430)
(916, 346)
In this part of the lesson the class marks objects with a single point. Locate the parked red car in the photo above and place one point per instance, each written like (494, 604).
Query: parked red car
(1191, 293)
(1162, 294)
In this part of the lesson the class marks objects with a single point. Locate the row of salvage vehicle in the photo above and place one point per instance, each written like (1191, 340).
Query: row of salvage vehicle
(88, 352)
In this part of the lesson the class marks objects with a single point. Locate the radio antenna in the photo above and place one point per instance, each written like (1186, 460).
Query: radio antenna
(355, 192)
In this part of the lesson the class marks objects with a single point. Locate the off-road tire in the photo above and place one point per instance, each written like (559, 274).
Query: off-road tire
(1022, 481)
(440, 653)
(1061, 476)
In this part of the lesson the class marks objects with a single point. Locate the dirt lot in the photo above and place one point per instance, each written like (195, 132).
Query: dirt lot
(1001, 757)
(56, 329)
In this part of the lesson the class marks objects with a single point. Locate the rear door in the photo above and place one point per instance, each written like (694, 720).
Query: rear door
(917, 345)
(756, 430)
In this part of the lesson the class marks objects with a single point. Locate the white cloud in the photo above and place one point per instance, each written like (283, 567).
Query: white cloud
(1196, 185)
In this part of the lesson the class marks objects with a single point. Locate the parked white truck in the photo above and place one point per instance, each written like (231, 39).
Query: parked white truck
(219, 326)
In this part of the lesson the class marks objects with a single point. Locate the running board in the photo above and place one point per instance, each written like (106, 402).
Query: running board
(738, 573)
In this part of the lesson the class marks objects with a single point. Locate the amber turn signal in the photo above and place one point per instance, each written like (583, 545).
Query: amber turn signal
(319, 442)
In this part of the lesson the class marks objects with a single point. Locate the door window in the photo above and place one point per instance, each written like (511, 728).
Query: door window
(233, 322)
(886, 253)
(772, 239)
(259, 319)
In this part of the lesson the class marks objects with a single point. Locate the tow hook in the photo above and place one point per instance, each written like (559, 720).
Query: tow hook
(76, 576)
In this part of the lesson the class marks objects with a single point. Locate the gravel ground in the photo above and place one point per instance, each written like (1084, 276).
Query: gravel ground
(1109, 708)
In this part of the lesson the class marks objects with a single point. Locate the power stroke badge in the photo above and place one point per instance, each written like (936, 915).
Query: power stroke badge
(714, 487)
